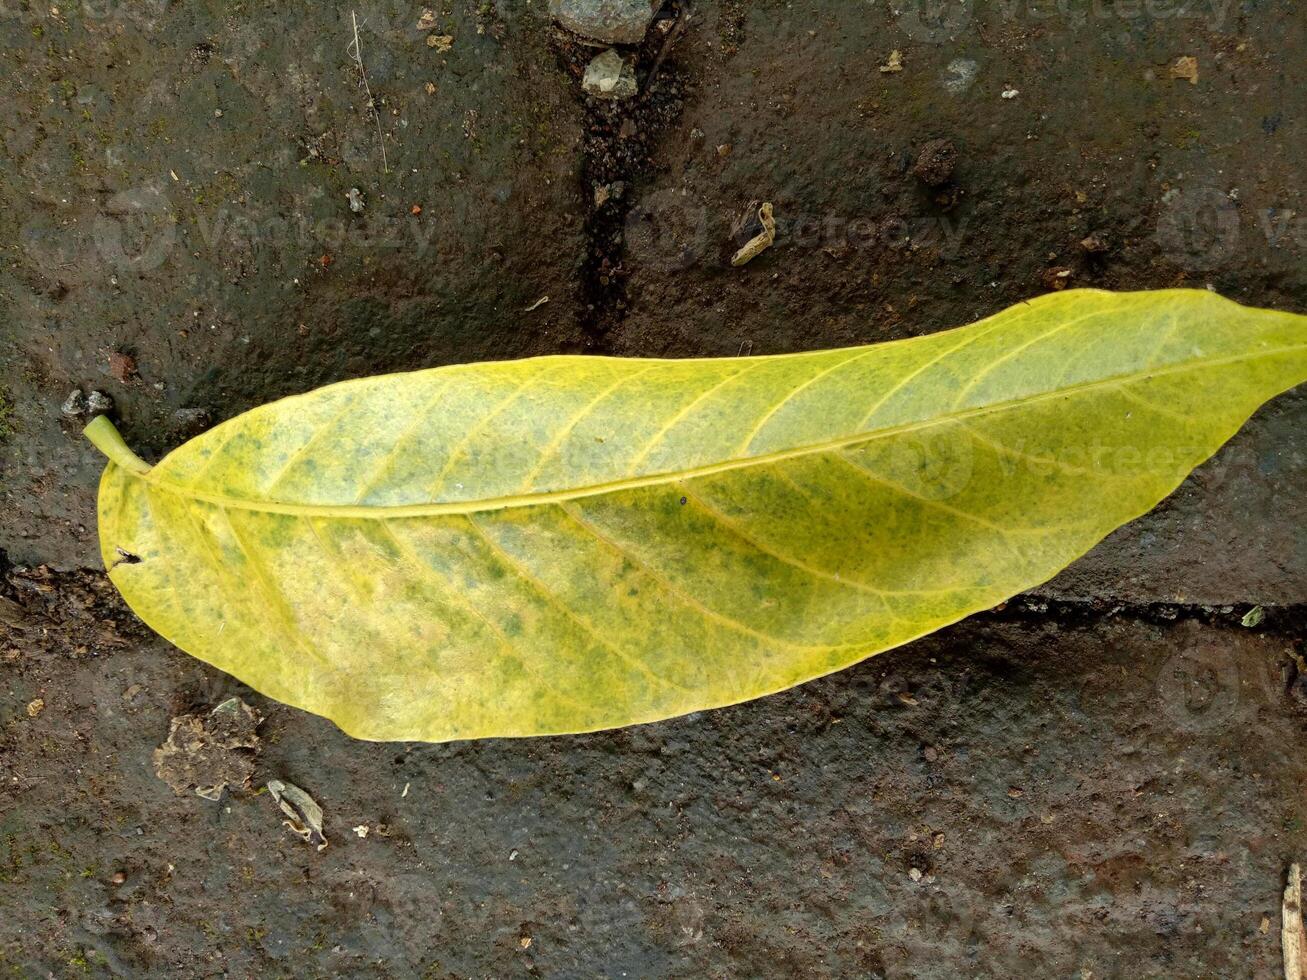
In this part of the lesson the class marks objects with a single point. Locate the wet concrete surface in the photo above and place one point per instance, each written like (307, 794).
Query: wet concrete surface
(1101, 780)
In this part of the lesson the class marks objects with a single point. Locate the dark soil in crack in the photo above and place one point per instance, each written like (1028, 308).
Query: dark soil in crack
(618, 149)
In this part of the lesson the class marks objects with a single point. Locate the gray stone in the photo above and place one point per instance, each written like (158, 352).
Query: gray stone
(74, 405)
(98, 403)
(610, 76)
(610, 21)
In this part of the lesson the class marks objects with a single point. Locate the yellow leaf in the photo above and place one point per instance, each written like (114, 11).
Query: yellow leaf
(564, 544)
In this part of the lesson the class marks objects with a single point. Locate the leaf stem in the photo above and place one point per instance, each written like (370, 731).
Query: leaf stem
(109, 441)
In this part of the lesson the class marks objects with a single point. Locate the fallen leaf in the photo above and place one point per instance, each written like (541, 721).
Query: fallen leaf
(895, 62)
(564, 544)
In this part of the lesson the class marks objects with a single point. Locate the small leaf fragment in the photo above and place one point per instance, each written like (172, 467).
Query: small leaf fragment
(303, 815)
(760, 242)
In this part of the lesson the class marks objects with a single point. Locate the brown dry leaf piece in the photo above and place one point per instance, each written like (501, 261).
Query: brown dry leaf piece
(427, 20)
(304, 816)
(441, 42)
(1186, 69)
(13, 615)
(895, 62)
(760, 242)
(208, 753)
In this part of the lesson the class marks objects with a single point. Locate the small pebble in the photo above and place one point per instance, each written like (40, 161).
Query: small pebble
(1095, 243)
(959, 75)
(610, 21)
(610, 76)
(98, 403)
(355, 198)
(74, 405)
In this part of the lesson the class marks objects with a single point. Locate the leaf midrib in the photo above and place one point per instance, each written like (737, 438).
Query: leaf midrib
(436, 508)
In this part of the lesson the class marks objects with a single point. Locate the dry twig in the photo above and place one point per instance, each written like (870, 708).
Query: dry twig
(376, 116)
(1291, 937)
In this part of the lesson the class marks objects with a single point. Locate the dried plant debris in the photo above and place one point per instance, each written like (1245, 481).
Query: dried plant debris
(1186, 69)
(760, 242)
(936, 161)
(1291, 932)
(13, 615)
(303, 815)
(212, 752)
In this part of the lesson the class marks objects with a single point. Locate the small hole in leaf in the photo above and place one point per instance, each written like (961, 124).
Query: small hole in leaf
(125, 558)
